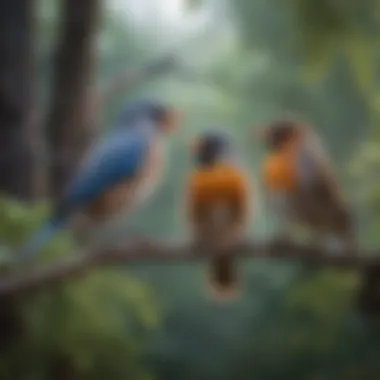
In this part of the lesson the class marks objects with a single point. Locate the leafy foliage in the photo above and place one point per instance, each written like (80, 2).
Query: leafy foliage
(96, 324)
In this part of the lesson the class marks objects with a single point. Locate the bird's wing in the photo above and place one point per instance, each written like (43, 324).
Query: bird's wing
(315, 172)
(312, 162)
(118, 158)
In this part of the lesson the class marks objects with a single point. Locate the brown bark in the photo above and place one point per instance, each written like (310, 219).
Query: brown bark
(60, 367)
(16, 158)
(164, 252)
(369, 292)
(11, 322)
(69, 120)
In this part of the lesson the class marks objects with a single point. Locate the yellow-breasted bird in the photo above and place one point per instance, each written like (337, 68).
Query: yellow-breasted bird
(301, 186)
(217, 207)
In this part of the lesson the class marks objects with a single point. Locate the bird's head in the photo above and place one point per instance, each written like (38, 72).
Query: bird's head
(140, 113)
(211, 147)
(283, 133)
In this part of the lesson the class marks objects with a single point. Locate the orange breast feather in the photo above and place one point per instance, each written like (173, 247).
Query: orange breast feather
(280, 172)
(220, 184)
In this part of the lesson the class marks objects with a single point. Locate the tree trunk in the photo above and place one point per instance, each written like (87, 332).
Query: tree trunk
(69, 120)
(60, 367)
(16, 157)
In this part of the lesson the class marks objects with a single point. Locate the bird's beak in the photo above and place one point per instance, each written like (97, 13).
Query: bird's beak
(172, 121)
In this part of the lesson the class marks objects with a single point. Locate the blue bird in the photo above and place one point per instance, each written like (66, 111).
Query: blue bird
(117, 174)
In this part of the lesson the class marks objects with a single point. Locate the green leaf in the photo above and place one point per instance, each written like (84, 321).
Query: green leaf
(362, 60)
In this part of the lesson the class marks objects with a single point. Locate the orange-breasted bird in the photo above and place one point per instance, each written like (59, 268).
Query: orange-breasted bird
(217, 207)
(302, 188)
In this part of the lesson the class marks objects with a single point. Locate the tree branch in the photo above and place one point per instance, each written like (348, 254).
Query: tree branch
(131, 77)
(161, 252)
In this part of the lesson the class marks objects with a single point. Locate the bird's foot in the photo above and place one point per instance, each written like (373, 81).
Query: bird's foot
(117, 234)
(135, 235)
(282, 240)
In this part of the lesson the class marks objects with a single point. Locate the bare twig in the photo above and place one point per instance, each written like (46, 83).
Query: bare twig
(132, 77)
(163, 252)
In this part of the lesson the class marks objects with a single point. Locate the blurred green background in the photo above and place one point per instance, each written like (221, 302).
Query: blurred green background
(238, 63)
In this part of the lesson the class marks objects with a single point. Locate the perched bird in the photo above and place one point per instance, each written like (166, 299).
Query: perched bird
(217, 207)
(117, 174)
(302, 188)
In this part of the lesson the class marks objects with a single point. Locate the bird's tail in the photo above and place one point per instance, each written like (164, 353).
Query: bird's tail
(223, 279)
(41, 237)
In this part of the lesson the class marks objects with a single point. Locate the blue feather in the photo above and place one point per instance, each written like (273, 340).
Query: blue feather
(43, 235)
(116, 159)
